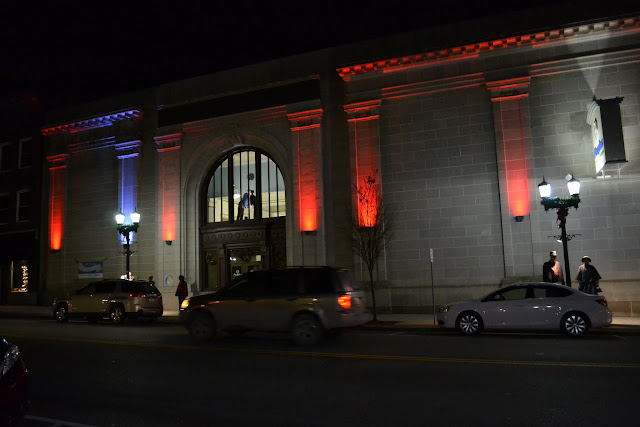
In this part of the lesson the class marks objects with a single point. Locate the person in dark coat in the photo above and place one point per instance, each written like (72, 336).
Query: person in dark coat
(182, 291)
(552, 270)
(588, 277)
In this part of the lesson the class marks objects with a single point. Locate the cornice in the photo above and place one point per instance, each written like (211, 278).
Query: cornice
(168, 142)
(305, 119)
(540, 39)
(367, 110)
(94, 122)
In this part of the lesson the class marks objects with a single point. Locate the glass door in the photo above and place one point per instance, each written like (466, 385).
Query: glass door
(244, 260)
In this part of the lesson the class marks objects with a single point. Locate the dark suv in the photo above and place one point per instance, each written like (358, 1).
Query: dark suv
(117, 299)
(306, 301)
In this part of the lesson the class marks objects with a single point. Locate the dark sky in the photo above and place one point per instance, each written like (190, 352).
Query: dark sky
(72, 51)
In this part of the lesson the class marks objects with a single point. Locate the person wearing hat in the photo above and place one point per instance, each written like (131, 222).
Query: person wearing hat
(552, 270)
(588, 277)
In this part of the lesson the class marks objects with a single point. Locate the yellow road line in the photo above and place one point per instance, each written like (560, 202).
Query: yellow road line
(420, 359)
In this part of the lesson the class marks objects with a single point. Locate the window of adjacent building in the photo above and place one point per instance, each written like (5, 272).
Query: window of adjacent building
(25, 153)
(24, 206)
(245, 185)
(7, 156)
(19, 272)
(4, 208)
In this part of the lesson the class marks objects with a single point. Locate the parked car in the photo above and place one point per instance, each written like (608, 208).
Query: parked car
(305, 301)
(14, 384)
(539, 306)
(116, 299)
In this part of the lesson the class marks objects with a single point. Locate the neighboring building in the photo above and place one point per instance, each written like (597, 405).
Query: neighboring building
(461, 134)
(21, 119)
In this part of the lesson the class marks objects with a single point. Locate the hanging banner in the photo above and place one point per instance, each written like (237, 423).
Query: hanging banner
(90, 270)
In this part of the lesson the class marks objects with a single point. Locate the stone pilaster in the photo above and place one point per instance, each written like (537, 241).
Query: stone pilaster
(306, 134)
(515, 173)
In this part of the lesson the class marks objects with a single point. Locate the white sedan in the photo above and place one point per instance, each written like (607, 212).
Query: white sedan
(539, 306)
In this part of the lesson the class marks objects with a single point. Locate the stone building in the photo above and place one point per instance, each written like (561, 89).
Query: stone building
(457, 133)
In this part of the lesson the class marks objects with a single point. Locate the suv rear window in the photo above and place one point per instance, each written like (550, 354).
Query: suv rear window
(317, 280)
(143, 287)
(347, 282)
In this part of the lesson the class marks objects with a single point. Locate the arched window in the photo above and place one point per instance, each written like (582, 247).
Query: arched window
(245, 185)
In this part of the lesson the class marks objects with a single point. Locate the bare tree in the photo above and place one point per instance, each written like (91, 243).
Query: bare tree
(372, 227)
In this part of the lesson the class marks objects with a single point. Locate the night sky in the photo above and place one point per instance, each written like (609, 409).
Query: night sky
(67, 52)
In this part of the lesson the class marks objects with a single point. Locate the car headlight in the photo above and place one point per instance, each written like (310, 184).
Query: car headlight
(185, 304)
(445, 308)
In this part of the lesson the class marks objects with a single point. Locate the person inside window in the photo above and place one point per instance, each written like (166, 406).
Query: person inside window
(248, 200)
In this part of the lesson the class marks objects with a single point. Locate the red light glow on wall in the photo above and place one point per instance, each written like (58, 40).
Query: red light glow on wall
(57, 178)
(307, 182)
(515, 156)
(170, 199)
(363, 130)
(306, 131)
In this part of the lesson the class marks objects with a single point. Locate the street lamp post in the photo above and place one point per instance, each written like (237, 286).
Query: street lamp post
(125, 230)
(562, 206)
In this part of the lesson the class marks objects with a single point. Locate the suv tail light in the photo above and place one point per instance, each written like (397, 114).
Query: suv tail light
(602, 301)
(344, 301)
(136, 294)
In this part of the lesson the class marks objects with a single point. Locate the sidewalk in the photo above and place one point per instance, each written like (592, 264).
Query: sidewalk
(385, 321)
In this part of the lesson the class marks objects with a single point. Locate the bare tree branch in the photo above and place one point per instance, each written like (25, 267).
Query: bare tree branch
(373, 227)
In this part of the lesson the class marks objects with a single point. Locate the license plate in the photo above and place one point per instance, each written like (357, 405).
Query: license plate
(151, 300)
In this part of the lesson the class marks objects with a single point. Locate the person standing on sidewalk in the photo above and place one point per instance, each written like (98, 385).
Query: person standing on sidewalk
(182, 291)
(552, 270)
(588, 277)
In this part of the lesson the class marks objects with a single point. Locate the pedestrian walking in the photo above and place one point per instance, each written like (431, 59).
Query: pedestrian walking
(552, 270)
(182, 290)
(588, 277)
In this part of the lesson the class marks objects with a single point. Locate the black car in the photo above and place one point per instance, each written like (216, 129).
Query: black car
(14, 384)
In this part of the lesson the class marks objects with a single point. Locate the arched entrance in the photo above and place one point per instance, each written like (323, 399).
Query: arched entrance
(242, 224)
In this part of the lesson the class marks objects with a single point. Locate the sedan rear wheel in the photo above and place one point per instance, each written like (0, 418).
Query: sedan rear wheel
(202, 327)
(469, 323)
(574, 324)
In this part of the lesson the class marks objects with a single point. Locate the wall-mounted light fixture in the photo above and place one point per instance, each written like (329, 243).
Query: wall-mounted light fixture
(519, 218)
(168, 242)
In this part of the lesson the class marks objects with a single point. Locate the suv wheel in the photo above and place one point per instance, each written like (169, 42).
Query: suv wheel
(202, 327)
(306, 329)
(116, 315)
(61, 313)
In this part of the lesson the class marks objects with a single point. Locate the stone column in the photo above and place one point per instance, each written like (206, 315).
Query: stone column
(515, 174)
(169, 251)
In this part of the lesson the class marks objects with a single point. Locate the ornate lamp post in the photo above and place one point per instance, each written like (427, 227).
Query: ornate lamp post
(125, 230)
(562, 205)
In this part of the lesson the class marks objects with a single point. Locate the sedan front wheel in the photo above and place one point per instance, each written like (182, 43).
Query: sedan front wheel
(469, 323)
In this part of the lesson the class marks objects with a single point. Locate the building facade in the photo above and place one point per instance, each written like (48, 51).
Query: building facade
(258, 167)
(21, 118)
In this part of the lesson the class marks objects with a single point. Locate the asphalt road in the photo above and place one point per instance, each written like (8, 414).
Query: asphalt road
(153, 375)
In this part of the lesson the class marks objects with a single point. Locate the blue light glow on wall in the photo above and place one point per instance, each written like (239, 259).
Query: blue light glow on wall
(128, 183)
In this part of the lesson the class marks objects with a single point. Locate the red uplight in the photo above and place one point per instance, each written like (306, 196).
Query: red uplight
(344, 301)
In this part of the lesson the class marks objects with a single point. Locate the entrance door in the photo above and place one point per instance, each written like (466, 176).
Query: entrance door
(244, 259)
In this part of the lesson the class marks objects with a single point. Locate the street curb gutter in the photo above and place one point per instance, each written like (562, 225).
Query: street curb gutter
(379, 326)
